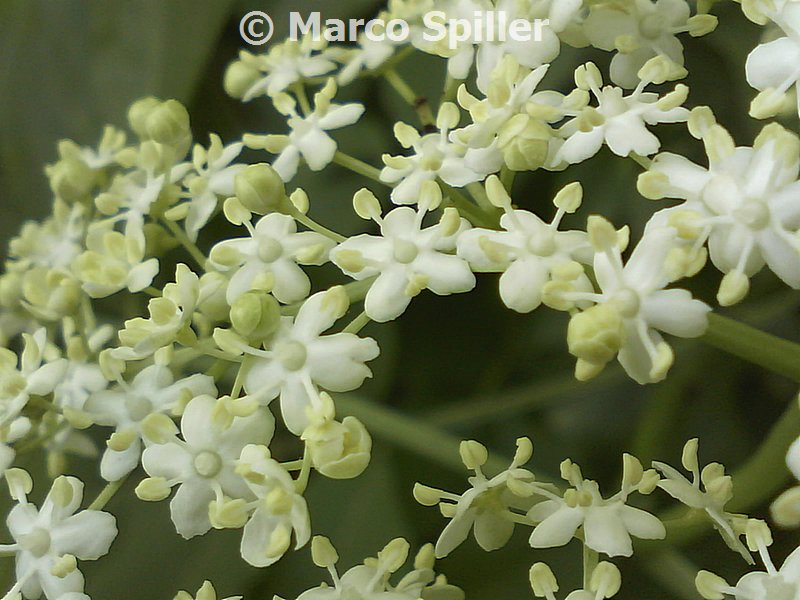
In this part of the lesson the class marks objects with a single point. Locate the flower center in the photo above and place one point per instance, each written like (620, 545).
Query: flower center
(37, 542)
(292, 355)
(138, 407)
(207, 463)
(269, 249)
(543, 245)
(404, 251)
(627, 302)
(651, 27)
(753, 214)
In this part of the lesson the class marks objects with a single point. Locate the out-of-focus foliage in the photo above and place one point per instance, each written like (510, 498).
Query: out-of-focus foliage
(69, 66)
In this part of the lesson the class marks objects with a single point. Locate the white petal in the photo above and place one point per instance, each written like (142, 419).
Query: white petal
(773, 63)
(87, 535)
(606, 533)
(189, 508)
(557, 529)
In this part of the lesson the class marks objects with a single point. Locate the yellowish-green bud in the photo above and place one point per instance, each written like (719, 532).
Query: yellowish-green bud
(448, 116)
(605, 580)
(496, 192)
(255, 314)
(450, 222)
(767, 104)
(260, 189)
(701, 119)
(427, 496)
(228, 514)
(734, 287)
(71, 179)
(689, 458)
(602, 234)
(366, 205)
(168, 123)
(700, 25)
(394, 555)
(596, 334)
(570, 197)
(138, 114)
(64, 565)
(239, 77)
(543, 581)
(632, 470)
(425, 558)
(158, 428)
(711, 586)
(757, 535)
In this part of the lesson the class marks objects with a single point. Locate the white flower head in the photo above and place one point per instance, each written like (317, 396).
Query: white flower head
(435, 155)
(309, 137)
(127, 407)
(279, 511)
(620, 121)
(608, 523)
(407, 257)
(202, 464)
(269, 258)
(48, 540)
(299, 359)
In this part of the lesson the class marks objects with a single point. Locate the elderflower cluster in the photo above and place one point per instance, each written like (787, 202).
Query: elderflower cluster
(215, 384)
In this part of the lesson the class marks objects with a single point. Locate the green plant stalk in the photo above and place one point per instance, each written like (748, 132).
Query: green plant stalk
(358, 166)
(755, 346)
(107, 493)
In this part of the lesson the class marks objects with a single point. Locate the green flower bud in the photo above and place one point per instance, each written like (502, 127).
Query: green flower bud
(240, 77)
(595, 335)
(255, 314)
(138, 114)
(71, 179)
(168, 123)
(260, 189)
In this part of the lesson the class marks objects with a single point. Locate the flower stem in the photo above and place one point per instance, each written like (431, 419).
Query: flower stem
(418, 103)
(314, 226)
(755, 346)
(358, 166)
(107, 493)
(357, 324)
(188, 244)
(590, 560)
(468, 210)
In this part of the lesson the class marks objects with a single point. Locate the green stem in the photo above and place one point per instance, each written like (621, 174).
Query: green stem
(468, 210)
(184, 240)
(359, 167)
(755, 346)
(590, 560)
(507, 177)
(478, 192)
(418, 103)
(450, 89)
(107, 494)
(299, 89)
(356, 292)
(314, 226)
(357, 324)
(642, 161)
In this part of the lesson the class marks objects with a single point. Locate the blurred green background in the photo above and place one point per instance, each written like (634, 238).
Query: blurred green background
(464, 365)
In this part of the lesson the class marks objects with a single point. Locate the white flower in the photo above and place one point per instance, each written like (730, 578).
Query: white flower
(280, 510)
(126, 407)
(435, 155)
(744, 204)
(211, 179)
(608, 523)
(112, 262)
(309, 137)
(268, 258)
(639, 30)
(53, 244)
(367, 56)
(286, 63)
(528, 250)
(633, 307)
(299, 358)
(48, 540)
(202, 463)
(783, 584)
(619, 121)
(485, 508)
(406, 258)
(33, 377)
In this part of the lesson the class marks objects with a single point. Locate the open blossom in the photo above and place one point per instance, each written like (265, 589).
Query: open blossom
(269, 258)
(47, 540)
(619, 121)
(529, 250)
(407, 258)
(436, 155)
(744, 205)
(272, 73)
(608, 523)
(126, 408)
(298, 358)
(202, 463)
(632, 307)
(279, 511)
(212, 178)
(309, 137)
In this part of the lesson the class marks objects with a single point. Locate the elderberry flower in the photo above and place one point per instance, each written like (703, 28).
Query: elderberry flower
(608, 523)
(488, 507)
(53, 244)
(48, 540)
(298, 358)
(716, 491)
(772, 584)
(632, 308)
(212, 178)
(529, 251)
(406, 258)
(640, 30)
(308, 137)
(620, 121)
(202, 463)
(127, 406)
(112, 262)
(285, 64)
(604, 582)
(435, 155)
(269, 258)
(279, 511)
(371, 580)
(743, 205)
(772, 67)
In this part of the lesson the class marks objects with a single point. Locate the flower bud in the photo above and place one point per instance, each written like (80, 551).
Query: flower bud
(138, 114)
(734, 287)
(473, 454)
(543, 581)
(71, 179)
(239, 77)
(596, 334)
(153, 489)
(260, 189)
(255, 314)
(168, 123)
(323, 553)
